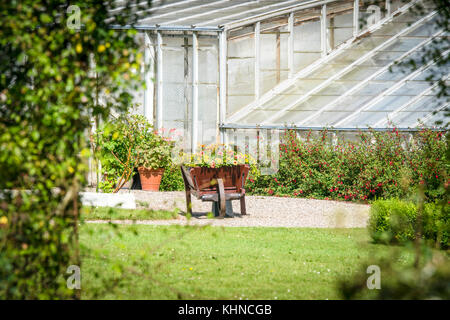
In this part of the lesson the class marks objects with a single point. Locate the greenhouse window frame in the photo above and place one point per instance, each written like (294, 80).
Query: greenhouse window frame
(392, 89)
(245, 111)
(236, 126)
(155, 39)
(411, 102)
(368, 79)
(347, 68)
(431, 114)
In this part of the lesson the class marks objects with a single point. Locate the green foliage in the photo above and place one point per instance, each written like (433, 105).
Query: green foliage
(127, 142)
(48, 90)
(436, 223)
(395, 221)
(216, 155)
(375, 165)
(172, 179)
(155, 151)
(430, 280)
(392, 220)
(117, 142)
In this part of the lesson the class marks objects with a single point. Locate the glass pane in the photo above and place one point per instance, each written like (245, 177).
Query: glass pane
(328, 118)
(390, 29)
(293, 117)
(315, 102)
(390, 103)
(359, 73)
(173, 60)
(373, 88)
(337, 88)
(428, 103)
(440, 119)
(408, 119)
(412, 88)
(208, 59)
(241, 73)
(352, 103)
(365, 119)
(403, 44)
(326, 71)
(258, 116)
(174, 103)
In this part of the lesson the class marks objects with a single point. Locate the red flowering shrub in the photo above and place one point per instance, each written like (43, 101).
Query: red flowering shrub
(376, 165)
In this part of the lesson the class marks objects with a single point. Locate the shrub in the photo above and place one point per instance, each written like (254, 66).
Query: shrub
(51, 78)
(377, 165)
(154, 151)
(172, 179)
(436, 223)
(395, 221)
(117, 142)
(400, 280)
(127, 142)
(392, 221)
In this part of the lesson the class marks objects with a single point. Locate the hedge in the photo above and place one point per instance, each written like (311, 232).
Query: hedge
(395, 221)
(375, 165)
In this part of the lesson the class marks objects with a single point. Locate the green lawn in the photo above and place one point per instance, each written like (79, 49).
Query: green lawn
(222, 263)
(104, 213)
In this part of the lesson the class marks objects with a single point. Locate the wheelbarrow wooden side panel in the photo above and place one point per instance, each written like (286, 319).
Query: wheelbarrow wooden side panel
(215, 184)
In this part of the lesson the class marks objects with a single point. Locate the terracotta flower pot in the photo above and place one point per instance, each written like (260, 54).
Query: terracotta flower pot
(150, 178)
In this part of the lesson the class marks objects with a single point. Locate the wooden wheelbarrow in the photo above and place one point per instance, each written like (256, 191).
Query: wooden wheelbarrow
(218, 185)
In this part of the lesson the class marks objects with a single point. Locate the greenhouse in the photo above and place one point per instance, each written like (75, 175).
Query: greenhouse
(221, 68)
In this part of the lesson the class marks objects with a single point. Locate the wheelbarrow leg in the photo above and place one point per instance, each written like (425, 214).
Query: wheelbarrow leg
(243, 208)
(222, 202)
(188, 201)
(187, 189)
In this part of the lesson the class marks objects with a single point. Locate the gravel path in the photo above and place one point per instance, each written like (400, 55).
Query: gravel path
(261, 212)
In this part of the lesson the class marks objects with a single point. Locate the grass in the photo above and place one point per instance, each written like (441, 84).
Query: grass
(104, 213)
(169, 262)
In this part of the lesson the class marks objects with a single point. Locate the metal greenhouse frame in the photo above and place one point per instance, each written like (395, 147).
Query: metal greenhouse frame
(219, 65)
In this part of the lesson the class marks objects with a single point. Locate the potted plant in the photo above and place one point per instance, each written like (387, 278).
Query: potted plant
(116, 144)
(216, 156)
(218, 161)
(217, 173)
(128, 142)
(154, 155)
